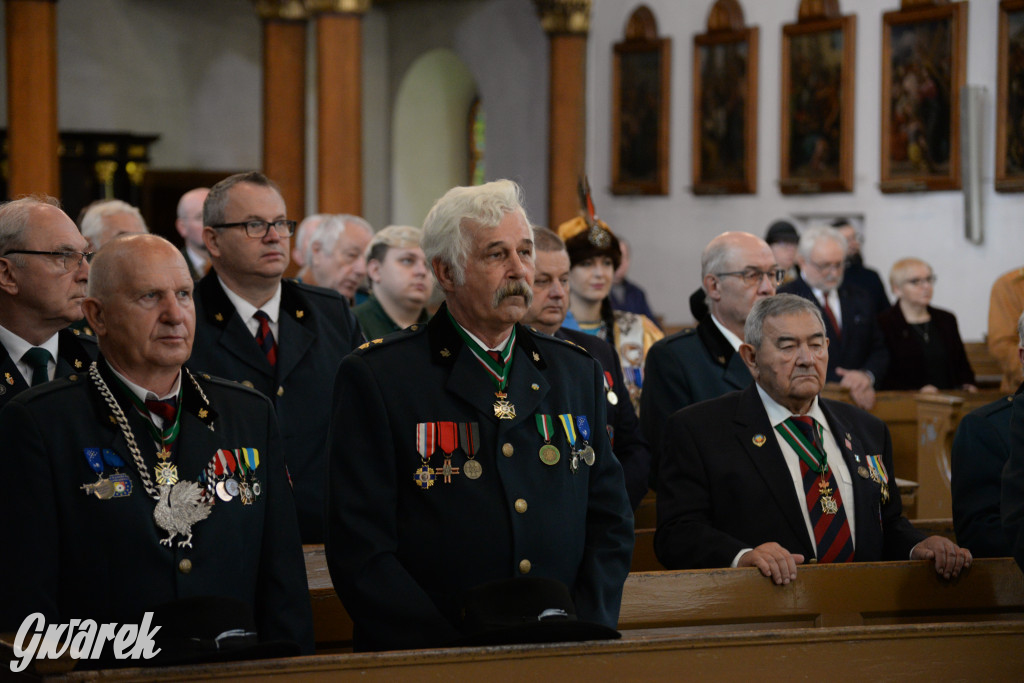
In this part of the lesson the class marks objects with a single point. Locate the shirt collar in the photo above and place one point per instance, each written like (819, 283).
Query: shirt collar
(777, 413)
(733, 340)
(16, 346)
(144, 394)
(500, 347)
(245, 309)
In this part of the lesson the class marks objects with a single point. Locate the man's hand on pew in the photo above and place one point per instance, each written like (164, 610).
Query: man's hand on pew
(861, 387)
(773, 560)
(949, 558)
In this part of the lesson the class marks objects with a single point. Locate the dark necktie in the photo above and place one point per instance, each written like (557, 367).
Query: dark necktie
(832, 317)
(265, 338)
(831, 531)
(38, 359)
(166, 410)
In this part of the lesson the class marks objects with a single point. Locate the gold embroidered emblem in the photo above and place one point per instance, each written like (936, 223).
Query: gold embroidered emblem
(536, 357)
(299, 314)
(378, 340)
(363, 346)
(203, 413)
(78, 364)
(219, 318)
(445, 353)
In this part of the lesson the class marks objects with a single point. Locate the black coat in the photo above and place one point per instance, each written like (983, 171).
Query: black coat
(401, 556)
(980, 450)
(75, 351)
(861, 346)
(1012, 499)
(721, 492)
(907, 367)
(82, 557)
(628, 444)
(316, 330)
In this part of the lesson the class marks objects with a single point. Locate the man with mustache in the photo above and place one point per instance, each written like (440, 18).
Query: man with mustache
(283, 338)
(774, 476)
(44, 266)
(471, 450)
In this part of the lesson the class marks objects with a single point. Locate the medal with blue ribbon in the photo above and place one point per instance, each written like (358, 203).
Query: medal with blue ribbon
(101, 488)
(587, 453)
(121, 482)
(426, 444)
(570, 434)
(250, 460)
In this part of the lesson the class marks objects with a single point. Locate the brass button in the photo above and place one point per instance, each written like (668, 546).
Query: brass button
(535, 387)
(185, 566)
(524, 566)
(280, 391)
(246, 383)
(521, 505)
(813, 560)
(414, 327)
(507, 450)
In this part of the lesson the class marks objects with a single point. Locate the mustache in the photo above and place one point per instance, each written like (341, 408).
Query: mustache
(514, 288)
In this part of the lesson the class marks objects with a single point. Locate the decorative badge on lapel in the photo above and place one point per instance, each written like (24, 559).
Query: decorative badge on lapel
(759, 440)
(10, 380)
(878, 474)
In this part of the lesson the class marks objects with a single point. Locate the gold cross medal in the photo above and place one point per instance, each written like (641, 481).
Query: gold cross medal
(828, 503)
(503, 410)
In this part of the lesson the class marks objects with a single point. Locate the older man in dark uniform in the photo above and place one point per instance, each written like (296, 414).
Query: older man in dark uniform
(470, 449)
(139, 483)
(283, 338)
(774, 475)
(694, 365)
(43, 272)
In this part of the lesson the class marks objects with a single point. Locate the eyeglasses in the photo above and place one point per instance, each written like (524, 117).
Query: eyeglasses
(752, 276)
(918, 281)
(258, 229)
(826, 267)
(69, 260)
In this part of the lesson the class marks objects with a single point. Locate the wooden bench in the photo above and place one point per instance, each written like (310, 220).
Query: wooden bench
(878, 620)
(987, 373)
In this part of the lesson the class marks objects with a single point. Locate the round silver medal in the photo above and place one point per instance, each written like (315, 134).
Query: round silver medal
(472, 469)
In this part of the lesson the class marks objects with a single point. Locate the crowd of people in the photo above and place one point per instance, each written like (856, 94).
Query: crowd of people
(185, 418)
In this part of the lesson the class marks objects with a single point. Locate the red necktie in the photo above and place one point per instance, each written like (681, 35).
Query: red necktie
(832, 318)
(166, 410)
(496, 355)
(265, 338)
(831, 531)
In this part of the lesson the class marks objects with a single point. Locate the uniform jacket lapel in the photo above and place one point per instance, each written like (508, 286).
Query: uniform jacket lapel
(12, 382)
(863, 490)
(196, 443)
(752, 422)
(296, 337)
(730, 363)
(232, 335)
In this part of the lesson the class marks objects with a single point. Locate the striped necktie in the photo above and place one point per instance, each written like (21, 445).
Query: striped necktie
(824, 502)
(265, 338)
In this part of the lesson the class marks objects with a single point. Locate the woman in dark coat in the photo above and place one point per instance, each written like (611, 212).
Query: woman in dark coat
(925, 349)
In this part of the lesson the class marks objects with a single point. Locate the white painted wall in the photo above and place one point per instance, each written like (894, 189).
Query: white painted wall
(669, 232)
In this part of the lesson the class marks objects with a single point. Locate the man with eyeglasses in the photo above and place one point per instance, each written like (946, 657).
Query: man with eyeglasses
(857, 354)
(44, 266)
(282, 337)
(698, 364)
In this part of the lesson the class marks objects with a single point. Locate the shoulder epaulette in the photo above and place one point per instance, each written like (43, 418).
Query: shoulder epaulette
(380, 342)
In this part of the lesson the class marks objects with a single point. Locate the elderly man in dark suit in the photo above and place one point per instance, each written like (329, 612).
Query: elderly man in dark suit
(118, 468)
(546, 314)
(44, 266)
(773, 475)
(857, 354)
(470, 449)
(283, 338)
(737, 269)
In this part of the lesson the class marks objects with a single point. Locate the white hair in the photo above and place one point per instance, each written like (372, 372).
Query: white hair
(94, 221)
(810, 238)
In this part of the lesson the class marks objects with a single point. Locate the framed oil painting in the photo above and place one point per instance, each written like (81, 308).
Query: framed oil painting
(725, 112)
(1010, 100)
(641, 81)
(924, 54)
(817, 117)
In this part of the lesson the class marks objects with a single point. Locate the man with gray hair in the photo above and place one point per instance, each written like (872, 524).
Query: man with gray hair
(471, 450)
(281, 337)
(774, 475)
(857, 353)
(336, 253)
(737, 269)
(980, 450)
(189, 224)
(300, 248)
(106, 219)
(44, 266)
(400, 282)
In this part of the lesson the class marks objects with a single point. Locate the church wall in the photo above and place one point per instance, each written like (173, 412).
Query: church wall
(668, 233)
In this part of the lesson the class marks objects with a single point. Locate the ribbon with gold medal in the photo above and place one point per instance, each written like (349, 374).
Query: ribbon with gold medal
(815, 459)
(499, 372)
(549, 454)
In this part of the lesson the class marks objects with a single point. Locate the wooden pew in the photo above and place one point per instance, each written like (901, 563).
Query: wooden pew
(987, 373)
(877, 620)
(646, 514)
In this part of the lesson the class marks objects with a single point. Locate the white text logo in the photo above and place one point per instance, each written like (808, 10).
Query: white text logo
(82, 639)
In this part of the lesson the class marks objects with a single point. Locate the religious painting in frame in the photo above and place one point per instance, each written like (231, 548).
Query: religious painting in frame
(725, 112)
(641, 82)
(924, 54)
(1010, 100)
(816, 143)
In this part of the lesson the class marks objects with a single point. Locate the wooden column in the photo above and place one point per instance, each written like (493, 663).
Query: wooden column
(566, 22)
(31, 30)
(284, 100)
(339, 55)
